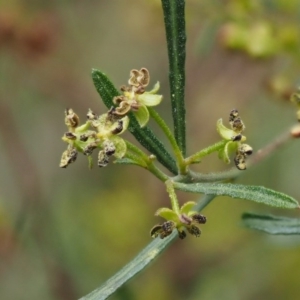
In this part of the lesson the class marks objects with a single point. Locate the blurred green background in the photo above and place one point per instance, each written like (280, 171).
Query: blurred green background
(63, 232)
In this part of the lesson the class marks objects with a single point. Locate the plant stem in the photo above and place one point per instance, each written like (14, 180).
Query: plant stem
(256, 158)
(173, 196)
(145, 161)
(272, 146)
(137, 151)
(156, 171)
(176, 38)
(166, 130)
(204, 152)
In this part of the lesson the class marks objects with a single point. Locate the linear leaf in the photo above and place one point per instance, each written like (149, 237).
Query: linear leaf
(144, 136)
(140, 262)
(132, 160)
(176, 38)
(272, 224)
(258, 194)
(145, 257)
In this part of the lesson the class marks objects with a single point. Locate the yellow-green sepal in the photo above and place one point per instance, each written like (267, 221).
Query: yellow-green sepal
(149, 99)
(120, 145)
(155, 88)
(229, 148)
(187, 207)
(224, 132)
(167, 214)
(142, 115)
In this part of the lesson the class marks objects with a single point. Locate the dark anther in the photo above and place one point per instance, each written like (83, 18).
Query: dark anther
(194, 230)
(119, 128)
(156, 230)
(84, 137)
(68, 157)
(71, 119)
(240, 161)
(72, 155)
(236, 138)
(233, 115)
(88, 150)
(167, 228)
(103, 159)
(246, 149)
(91, 115)
(238, 125)
(109, 149)
(70, 136)
(199, 218)
(181, 234)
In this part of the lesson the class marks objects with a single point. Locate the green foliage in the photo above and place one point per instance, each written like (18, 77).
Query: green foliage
(272, 224)
(175, 33)
(132, 105)
(145, 257)
(247, 192)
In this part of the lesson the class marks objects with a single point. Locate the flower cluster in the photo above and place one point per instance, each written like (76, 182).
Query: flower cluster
(185, 219)
(235, 140)
(98, 132)
(135, 98)
(101, 132)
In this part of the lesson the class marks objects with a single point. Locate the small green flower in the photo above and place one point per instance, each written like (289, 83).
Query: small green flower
(135, 98)
(186, 219)
(103, 135)
(234, 140)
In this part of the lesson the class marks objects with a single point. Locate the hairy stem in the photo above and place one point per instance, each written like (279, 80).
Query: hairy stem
(166, 130)
(145, 161)
(204, 152)
(173, 196)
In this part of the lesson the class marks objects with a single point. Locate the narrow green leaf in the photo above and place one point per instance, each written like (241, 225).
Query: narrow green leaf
(145, 136)
(176, 38)
(139, 263)
(255, 193)
(144, 258)
(272, 224)
(129, 161)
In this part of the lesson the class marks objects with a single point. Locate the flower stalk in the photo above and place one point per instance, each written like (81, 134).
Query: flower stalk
(166, 130)
(173, 196)
(196, 158)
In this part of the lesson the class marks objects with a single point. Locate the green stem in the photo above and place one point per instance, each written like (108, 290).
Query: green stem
(166, 130)
(204, 152)
(145, 161)
(156, 171)
(137, 151)
(173, 196)
(176, 38)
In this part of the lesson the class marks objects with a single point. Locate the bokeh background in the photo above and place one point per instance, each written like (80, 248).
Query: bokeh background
(63, 232)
